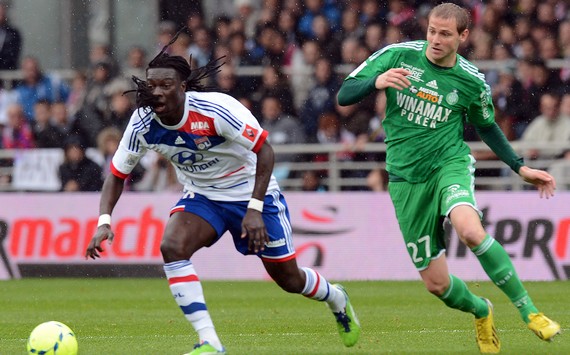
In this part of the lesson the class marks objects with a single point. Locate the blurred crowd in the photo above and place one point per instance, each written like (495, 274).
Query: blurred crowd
(304, 49)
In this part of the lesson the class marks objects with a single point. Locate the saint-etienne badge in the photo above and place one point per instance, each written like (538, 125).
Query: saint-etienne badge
(452, 97)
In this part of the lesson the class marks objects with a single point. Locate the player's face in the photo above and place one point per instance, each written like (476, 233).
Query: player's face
(168, 89)
(443, 40)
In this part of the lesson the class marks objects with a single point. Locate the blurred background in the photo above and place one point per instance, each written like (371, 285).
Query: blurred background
(64, 65)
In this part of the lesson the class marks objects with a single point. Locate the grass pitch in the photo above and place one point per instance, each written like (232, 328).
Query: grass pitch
(139, 316)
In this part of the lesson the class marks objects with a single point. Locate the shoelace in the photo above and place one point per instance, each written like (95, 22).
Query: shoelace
(343, 319)
(483, 332)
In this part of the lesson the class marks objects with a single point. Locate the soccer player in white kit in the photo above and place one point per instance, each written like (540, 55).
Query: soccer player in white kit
(222, 158)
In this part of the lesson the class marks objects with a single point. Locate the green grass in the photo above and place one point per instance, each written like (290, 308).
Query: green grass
(139, 316)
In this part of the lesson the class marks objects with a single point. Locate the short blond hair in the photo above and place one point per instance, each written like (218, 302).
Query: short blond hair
(449, 10)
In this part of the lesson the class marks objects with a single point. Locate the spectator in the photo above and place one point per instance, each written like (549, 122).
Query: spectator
(201, 49)
(228, 82)
(350, 25)
(313, 8)
(549, 127)
(321, 97)
(10, 41)
(121, 107)
(60, 117)
(37, 86)
(312, 181)
(46, 134)
(136, 59)
(76, 98)
(78, 172)
(17, 134)
(274, 83)
(282, 128)
(374, 37)
(7, 97)
(166, 31)
(107, 143)
(330, 43)
(302, 66)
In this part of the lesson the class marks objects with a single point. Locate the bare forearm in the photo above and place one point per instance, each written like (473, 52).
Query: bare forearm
(112, 190)
(265, 162)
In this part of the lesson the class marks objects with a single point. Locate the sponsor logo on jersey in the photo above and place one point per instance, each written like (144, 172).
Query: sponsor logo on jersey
(485, 97)
(455, 191)
(199, 126)
(275, 243)
(186, 157)
(422, 112)
(202, 143)
(179, 141)
(415, 73)
(452, 98)
(432, 84)
(429, 95)
(249, 132)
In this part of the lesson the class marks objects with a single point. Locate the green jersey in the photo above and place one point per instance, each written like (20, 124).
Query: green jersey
(424, 122)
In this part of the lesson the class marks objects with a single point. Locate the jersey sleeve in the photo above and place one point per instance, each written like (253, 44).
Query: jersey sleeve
(131, 149)
(237, 124)
(481, 112)
(376, 64)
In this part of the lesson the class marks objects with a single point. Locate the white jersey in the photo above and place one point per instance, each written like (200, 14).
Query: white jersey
(212, 148)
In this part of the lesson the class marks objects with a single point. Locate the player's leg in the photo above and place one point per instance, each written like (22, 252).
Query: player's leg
(421, 223)
(280, 263)
(313, 285)
(500, 269)
(455, 294)
(186, 233)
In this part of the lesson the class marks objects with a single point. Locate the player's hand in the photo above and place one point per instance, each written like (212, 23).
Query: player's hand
(94, 248)
(393, 78)
(543, 181)
(253, 228)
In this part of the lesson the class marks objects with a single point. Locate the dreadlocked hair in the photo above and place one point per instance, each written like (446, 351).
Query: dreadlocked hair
(192, 77)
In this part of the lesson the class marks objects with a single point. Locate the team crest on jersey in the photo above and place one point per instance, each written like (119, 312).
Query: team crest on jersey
(249, 132)
(452, 98)
(415, 73)
(202, 143)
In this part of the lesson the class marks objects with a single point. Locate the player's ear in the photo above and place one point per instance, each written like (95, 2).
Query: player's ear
(463, 35)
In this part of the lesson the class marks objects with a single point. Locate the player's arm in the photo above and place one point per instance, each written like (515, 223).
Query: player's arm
(124, 160)
(496, 140)
(253, 225)
(110, 194)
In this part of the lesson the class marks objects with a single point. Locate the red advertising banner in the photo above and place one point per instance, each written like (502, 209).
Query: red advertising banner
(346, 236)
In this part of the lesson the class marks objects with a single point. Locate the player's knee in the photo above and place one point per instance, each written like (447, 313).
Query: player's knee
(472, 236)
(435, 287)
(173, 250)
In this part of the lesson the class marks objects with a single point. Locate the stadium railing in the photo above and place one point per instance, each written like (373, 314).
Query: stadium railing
(339, 174)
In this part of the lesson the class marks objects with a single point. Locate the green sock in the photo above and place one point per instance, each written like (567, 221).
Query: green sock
(458, 296)
(498, 266)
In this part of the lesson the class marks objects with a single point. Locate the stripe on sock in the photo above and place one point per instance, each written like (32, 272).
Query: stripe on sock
(193, 307)
(188, 278)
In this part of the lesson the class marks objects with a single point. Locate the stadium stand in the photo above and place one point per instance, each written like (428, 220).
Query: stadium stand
(523, 47)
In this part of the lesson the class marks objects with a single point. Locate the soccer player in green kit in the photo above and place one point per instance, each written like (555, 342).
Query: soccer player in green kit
(432, 91)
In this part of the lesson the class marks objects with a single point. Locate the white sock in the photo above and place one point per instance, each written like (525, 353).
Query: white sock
(318, 288)
(187, 291)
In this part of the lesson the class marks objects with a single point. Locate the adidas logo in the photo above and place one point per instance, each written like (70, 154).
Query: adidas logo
(432, 84)
(179, 140)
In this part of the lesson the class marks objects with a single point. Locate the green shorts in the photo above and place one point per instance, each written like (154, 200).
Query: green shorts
(421, 208)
